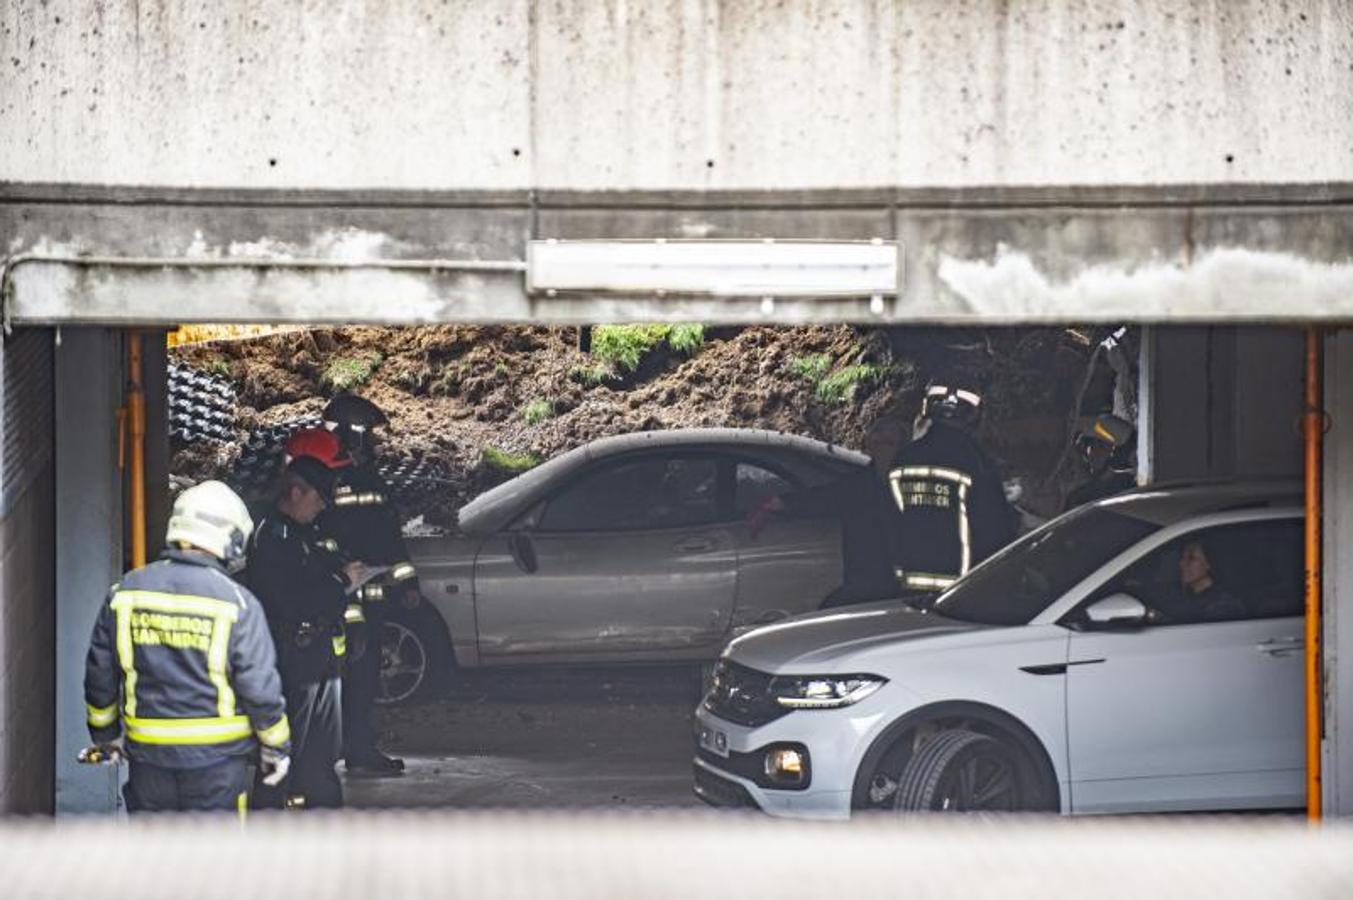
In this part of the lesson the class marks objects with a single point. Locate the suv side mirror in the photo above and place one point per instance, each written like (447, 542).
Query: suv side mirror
(1116, 611)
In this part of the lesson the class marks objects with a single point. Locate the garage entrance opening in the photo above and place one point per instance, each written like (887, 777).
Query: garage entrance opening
(546, 667)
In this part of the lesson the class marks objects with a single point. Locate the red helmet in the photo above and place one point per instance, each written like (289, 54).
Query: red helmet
(321, 443)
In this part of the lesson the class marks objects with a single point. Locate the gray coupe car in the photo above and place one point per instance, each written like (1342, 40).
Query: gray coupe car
(640, 548)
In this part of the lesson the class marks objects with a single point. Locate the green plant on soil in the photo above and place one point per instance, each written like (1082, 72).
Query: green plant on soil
(591, 375)
(814, 367)
(623, 346)
(841, 385)
(510, 462)
(838, 386)
(687, 338)
(219, 367)
(348, 372)
(537, 411)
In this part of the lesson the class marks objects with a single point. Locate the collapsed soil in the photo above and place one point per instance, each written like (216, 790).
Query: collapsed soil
(452, 392)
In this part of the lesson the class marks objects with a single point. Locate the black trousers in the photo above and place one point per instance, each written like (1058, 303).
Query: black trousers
(314, 708)
(220, 786)
(361, 684)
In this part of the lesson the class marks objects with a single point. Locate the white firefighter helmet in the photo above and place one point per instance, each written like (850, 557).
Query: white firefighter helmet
(211, 517)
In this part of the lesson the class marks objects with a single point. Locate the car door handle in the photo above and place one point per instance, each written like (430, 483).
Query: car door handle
(695, 545)
(1281, 646)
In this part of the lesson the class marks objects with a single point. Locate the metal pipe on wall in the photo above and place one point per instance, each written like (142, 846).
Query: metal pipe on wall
(136, 413)
(1314, 433)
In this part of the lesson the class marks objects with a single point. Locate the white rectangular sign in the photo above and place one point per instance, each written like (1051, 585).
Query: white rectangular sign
(762, 268)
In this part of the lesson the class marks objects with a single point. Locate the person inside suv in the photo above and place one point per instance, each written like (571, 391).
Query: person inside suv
(1201, 598)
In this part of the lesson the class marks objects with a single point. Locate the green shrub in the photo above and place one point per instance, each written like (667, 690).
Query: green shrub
(840, 385)
(347, 372)
(623, 346)
(537, 411)
(814, 367)
(687, 338)
(510, 462)
(219, 367)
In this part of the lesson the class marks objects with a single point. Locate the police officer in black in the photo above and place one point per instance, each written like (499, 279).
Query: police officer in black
(365, 525)
(1104, 444)
(952, 507)
(303, 587)
(181, 676)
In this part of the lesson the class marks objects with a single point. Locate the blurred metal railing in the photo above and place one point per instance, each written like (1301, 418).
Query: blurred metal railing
(583, 856)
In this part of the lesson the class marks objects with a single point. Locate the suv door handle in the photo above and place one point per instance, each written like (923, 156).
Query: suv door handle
(1281, 646)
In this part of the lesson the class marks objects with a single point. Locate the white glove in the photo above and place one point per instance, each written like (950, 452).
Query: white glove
(274, 764)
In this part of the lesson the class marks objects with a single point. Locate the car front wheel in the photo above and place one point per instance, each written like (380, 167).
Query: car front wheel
(962, 771)
(413, 655)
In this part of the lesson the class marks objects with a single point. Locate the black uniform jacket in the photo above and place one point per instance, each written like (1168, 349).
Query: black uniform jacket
(303, 588)
(181, 659)
(952, 506)
(364, 525)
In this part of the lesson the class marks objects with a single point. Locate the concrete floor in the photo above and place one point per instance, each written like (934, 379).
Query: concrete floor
(544, 738)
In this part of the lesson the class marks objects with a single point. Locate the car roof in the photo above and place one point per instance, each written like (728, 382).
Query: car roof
(498, 506)
(1169, 502)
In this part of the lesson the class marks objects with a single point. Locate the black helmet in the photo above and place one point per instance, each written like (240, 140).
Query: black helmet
(955, 401)
(354, 413)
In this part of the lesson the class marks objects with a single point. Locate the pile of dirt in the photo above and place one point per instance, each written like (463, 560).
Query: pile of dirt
(471, 403)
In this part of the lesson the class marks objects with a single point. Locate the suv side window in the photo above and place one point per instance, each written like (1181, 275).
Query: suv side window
(1249, 571)
(648, 493)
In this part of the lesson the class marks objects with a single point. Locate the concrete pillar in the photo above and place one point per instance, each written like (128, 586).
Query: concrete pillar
(1220, 401)
(1337, 637)
(89, 377)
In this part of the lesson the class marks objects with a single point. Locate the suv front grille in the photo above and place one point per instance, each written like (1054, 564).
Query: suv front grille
(742, 695)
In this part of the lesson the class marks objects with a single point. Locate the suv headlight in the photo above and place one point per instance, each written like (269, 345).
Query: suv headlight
(823, 691)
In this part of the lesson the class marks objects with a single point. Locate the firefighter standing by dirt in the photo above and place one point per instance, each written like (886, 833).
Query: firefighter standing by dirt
(303, 587)
(186, 651)
(952, 505)
(366, 526)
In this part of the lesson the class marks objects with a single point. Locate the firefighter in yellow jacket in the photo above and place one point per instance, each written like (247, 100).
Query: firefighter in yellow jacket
(181, 676)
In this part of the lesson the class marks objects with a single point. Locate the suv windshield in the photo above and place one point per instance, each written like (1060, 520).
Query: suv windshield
(1025, 578)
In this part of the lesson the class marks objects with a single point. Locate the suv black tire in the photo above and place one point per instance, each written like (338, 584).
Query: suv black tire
(961, 771)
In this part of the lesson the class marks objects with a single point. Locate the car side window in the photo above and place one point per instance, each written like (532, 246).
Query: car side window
(639, 494)
(755, 485)
(1226, 573)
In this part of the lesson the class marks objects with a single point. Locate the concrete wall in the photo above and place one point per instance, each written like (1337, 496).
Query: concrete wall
(89, 543)
(684, 94)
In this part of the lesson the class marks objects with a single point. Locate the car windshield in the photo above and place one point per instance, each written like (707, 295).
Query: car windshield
(1022, 580)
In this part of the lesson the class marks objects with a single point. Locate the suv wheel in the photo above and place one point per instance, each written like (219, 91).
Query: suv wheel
(961, 771)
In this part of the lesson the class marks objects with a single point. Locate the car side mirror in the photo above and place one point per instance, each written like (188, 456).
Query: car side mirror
(1116, 611)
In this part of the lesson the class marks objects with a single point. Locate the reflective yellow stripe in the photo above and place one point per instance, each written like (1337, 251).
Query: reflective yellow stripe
(402, 571)
(372, 592)
(210, 607)
(340, 642)
(217, 656)
(276, 735)
(242, 806)
(126, 656)
(222, 613)
(217, 730)
(925, 581)
(101, 716)
(329, 544)
(940, 472)
(353, 615)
